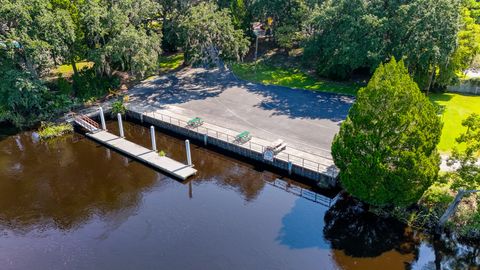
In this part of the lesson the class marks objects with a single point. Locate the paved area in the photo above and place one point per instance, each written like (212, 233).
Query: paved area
(322, 164)
(305, 120)
(143, 154)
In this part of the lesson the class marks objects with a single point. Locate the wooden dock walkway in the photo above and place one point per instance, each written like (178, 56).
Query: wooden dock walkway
(142, 154)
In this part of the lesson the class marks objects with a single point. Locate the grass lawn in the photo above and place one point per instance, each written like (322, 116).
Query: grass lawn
(456, 108)
(171, 62)
(290, 77)
(67, 70)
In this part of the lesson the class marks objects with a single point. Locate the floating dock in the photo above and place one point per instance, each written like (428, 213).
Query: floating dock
(142, 154)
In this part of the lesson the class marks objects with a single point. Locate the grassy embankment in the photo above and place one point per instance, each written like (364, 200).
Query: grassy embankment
(290, 77)
(456, 107)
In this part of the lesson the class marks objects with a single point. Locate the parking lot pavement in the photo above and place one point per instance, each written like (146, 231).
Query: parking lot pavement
(304, 119)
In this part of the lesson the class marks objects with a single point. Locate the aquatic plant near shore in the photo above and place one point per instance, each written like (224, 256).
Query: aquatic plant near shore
(51, 130)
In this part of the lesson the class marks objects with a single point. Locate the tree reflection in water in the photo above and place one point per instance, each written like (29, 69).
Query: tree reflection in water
(64, 183)
(359, 233)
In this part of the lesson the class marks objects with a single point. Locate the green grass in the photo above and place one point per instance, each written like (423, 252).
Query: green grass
(169, 63)
(456, 107)
(290, 77)
(67, 70)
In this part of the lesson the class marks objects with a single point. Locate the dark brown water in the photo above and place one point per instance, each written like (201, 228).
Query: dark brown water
(71, 204)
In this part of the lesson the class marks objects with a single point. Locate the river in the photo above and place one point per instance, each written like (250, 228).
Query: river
(69, 203)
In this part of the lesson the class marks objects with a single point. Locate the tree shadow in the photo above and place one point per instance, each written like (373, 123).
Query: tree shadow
(359, 233)
(200, 84)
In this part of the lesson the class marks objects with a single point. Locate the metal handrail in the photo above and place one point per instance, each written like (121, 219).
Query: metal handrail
(303, 162)
(90, 121)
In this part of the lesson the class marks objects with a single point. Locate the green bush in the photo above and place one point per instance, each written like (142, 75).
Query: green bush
(118, 107)
(437, 195)
(89, 84)
(51, 130)
(64, 86)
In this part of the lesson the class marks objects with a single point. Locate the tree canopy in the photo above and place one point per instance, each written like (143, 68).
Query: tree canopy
(208, 34)
(386, 148)
(357, 34)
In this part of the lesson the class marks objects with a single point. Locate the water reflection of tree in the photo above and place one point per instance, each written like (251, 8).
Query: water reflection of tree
(453, 253)
(349, 227)
(64, 184)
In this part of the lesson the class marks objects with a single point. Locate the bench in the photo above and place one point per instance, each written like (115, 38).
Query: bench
(195, 122)
(243, 137)
(277, 146)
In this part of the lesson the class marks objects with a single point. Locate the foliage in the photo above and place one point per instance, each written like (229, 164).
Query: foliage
(471, 227)
(118, 107)
(467, 175)
(287, 37)
(356, 34)
(429, 38)
(162, 153)
(121, 35)
(92, 85)
(283, 12)
(64, 86)
(290, 77)
(25, 100)
(438, 195)
(354, 39)
(208, 35)
(468, 46)
(386, 148)
(51, 130)
(456, 108)
(241, 14)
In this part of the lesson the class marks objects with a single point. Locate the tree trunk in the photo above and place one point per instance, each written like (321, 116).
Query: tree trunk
(430, 80)
(75, 74)
(453, 207)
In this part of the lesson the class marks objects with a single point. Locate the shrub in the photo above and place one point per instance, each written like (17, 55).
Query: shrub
(118, 107)
(51, 130)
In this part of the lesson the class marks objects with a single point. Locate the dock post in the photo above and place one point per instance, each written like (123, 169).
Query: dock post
(102, 119)
(120, 125)
(152, 135)
(290, 165)
(205, 138)
(189, 155)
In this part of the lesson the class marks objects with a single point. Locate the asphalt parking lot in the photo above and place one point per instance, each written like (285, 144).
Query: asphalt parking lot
(304, 119)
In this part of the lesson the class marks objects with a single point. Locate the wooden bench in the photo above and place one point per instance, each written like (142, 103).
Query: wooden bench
(195, 122)
(243, 137)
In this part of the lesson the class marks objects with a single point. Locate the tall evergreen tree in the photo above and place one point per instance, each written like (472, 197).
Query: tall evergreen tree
(386, 148)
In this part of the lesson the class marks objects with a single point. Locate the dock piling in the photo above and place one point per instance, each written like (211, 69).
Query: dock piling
(189, 155)
(120, 125)
(290, 165)
(102, 119)
(152, 135)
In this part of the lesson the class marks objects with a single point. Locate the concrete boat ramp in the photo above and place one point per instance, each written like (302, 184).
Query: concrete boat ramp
(142, 154)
